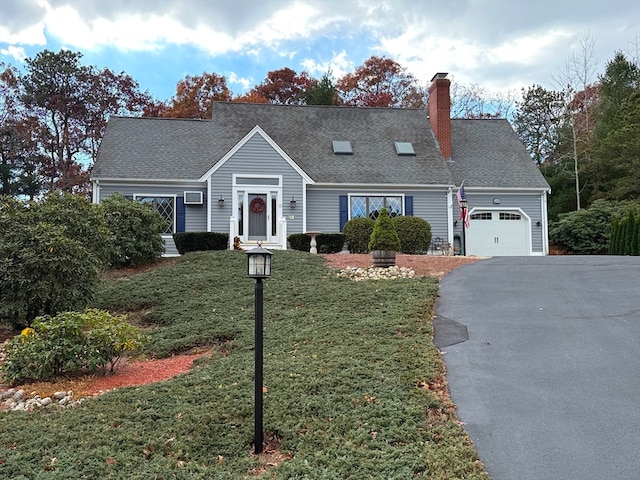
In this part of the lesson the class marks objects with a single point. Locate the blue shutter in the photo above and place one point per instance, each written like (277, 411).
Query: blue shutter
(180, 215)
(408, 206)
(344, 210)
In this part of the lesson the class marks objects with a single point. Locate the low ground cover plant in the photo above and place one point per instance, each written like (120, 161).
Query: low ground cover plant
(350, 377)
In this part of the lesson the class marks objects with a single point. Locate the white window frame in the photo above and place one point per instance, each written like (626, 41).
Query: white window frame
(137, 196)
(401, 195)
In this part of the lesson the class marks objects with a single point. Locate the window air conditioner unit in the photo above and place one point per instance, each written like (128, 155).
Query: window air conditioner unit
(193, 198)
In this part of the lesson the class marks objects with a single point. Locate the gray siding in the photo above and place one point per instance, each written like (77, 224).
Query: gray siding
(432, 206)
(323, 209)
(530, 204)
(195, 215)
(256, 157)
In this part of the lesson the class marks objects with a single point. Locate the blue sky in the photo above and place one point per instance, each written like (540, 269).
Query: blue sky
(501, 45)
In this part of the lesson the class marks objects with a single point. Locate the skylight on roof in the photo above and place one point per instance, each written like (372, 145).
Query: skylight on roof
(342, 147)
(404, 148)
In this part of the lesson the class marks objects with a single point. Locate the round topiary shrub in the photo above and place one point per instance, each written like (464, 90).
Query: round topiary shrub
(414, 233)
(358, 233)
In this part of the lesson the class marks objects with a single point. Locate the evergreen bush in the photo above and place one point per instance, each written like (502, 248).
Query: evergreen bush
(384, 236)
(200, 241)
(42, 269)
(358, 232)
(625, 233)
(136, 228)
(584, 232)
(82, 220)
(414, 234)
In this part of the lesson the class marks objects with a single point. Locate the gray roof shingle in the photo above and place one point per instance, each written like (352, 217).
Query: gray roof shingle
(486, 153)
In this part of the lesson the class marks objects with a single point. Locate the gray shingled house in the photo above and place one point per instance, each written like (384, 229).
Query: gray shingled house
(262, 172)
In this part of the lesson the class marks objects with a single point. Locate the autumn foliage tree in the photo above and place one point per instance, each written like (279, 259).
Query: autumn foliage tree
(284, 87)
(70, 105)
(196, 95)
(250, 97)
(380, 82)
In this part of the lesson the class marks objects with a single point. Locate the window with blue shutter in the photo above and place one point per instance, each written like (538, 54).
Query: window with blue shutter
(408, 206)
(344, 210)
(180, 215)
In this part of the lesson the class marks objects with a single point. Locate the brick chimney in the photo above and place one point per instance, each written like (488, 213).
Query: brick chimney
(440, 112)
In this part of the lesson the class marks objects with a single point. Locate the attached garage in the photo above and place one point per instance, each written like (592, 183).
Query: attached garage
(498, 233)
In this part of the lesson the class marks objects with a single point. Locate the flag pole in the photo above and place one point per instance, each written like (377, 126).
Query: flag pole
(462, 204)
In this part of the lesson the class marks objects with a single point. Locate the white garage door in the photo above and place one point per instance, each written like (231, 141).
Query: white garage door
(498, 233)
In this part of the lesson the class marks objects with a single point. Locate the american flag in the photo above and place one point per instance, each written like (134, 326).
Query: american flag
(464, 213)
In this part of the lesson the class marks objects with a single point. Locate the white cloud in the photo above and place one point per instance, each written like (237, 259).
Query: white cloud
(30, 35)
(338, 65)
(526, 49)
(17, 53)
(244, 82)
(499, 43)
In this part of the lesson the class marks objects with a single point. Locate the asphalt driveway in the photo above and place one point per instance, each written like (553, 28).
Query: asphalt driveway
(543, 364)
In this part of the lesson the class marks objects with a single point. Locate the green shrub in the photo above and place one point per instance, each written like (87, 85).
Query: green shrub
(83, 221)
(625, 233)
(358, 233)
(43, 272)
(68, 343)
(584, 232)
(414, 234)
(384, 236)
(136, 228)
(326, 242)
(200, 241)
(590, 231)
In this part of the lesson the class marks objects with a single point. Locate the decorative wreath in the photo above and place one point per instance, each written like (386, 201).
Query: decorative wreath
(257, 205)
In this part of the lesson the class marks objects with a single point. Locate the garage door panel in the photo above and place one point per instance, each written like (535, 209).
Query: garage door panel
(498, 233)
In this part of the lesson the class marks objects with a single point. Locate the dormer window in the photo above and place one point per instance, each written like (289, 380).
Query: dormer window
(404, 148)
(342, 147)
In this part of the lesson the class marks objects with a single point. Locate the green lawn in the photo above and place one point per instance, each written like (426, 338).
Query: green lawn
(345, 366)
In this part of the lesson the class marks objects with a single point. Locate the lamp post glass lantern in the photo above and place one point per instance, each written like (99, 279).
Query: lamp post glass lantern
(258, 267)
(259, 262)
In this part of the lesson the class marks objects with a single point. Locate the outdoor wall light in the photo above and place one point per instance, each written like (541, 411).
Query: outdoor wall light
(539, 223)
(293, 202)
(258, 267)
(221, 201)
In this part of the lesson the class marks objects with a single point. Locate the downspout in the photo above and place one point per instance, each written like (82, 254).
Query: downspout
(545, 222)
(96, 191)
(209, 209)
(450, 215)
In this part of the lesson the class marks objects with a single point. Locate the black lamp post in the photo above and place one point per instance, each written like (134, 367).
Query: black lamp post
(258, 267)
(463, 208)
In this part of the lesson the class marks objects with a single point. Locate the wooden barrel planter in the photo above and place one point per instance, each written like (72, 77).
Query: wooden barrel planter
(383, 258)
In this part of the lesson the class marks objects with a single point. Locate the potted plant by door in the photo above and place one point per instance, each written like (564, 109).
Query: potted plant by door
(384, 241)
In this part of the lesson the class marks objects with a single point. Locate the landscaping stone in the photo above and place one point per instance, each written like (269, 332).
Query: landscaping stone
(376, 273)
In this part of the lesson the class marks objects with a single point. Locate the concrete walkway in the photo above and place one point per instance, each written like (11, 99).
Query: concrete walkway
(543, 362)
